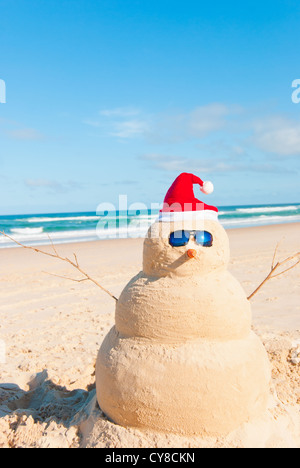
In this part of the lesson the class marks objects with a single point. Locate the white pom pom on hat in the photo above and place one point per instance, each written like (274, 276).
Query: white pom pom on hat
(207, 187)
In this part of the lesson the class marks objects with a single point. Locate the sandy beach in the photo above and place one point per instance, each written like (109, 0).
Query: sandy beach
(51, 329)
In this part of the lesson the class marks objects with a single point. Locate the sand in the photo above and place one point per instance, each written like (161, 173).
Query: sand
(52, 328)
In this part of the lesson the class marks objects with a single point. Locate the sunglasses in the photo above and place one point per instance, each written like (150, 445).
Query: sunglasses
(181, 238)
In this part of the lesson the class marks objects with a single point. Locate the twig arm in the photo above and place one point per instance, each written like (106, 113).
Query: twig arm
(74, 264)
(275, 267)
(260, 286)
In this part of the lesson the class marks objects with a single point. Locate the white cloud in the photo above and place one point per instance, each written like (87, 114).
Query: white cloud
(129, 128)
(206, 126)
(25, 134)
(117, 123)
(206, 119)
(277, 135)
(163, 127)
(93, 123)
(183, 126)
(52, 185)
(120, 112)
(208, 165)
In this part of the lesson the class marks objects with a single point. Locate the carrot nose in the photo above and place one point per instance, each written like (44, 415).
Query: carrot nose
(192, 253)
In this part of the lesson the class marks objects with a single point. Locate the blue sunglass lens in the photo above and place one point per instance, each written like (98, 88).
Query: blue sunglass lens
(204, 238)
(179, 238)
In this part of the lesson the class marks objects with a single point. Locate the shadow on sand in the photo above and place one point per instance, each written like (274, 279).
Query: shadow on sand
(47, 402)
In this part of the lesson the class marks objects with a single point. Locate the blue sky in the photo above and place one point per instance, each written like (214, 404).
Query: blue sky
(117, 97)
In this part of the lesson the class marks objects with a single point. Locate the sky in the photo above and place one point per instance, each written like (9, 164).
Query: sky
(118, 97)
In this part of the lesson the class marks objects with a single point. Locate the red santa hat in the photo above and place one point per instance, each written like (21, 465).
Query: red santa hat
(181, 204)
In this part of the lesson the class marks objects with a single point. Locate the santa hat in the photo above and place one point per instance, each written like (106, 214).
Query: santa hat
(181, 204)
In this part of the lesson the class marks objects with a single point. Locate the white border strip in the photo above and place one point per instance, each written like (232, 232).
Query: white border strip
(169, 217)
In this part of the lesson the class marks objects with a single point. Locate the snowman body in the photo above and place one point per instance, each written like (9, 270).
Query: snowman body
(182, 357)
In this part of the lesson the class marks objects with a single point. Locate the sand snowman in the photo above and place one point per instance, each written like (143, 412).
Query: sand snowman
(182, 357)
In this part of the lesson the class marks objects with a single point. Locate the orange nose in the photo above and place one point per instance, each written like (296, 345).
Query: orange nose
(192, 253)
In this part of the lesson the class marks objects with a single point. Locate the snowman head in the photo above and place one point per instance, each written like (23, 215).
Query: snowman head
(187, 239)
(185, 248)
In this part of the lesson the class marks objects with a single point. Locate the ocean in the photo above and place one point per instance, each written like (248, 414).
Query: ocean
(35, 229)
